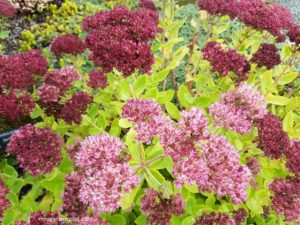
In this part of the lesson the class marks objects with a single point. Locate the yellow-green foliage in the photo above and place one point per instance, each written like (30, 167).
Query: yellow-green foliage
(64, 20)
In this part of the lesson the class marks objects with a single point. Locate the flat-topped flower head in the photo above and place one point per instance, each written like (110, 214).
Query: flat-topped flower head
(73, 110)
(98, 150)
(141, 110)
(272, 139)
(102, 189)
(38, 150)
(237, 109)
(67, 44)
(97, 79)
(266, 56)
(14, 108)
(159, 210)
(72, 204)
(19, 71)
(227, 176)
(286, 197)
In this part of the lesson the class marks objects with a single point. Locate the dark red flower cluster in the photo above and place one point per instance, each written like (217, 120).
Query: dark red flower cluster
(224, 61)
(159, 210)
(253, 165)
(67, 44)
(119, 39)
(57, 83)
(272, 139)
(215, 218)
(43, 218)
(4, 203)
(147, 4)
(75, 107)
(6, 9)
(72, 204)
(266, 56)
(38, 150)
(97, 79)
(239, 216)
(19, 71)
(286, 198)
(13, 107)
(292, 154)
(294, 34)
(256, 13)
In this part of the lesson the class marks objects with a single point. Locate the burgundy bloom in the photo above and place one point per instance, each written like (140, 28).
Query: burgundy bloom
(72, 204)
(119, 39)
(286, 198)
(159, 210)
(294, 34)
(215, 218)
(6, 9)
(67, 44)
(38, 150)
(266, 56)
(272, 139)
(75, 107)
(61, 79)
(240, 216)
(19, 71)
(224, 61)
(253, 165)
(97, 79)
(255, 13)
(4, 203)
(13, 107)
(292, 154)
(147, 4)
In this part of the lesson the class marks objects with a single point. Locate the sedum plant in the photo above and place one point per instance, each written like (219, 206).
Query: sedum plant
(114, 144)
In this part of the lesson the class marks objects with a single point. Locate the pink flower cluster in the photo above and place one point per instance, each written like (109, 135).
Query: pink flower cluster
(159, 210)
(119, 38)
(38, 150)
(224, 61)
(6, 9)
(4, 203)
(255, 13)
(226, 174)
(292, 153)
(272, 139)
(72, 111)
(67, 44)
(266, 56)
(72, 204)
(106, 172)
(286, 197)
(97, 79)
(147, 4)
(43, 218)
(13, 107)
(237, 109)
(239, 216)
(215, 218)
(215, 167)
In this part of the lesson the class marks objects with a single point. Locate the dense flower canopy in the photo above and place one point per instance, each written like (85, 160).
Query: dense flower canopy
(67, 44)
(119, 39)
(38, 150)
(6, 9)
